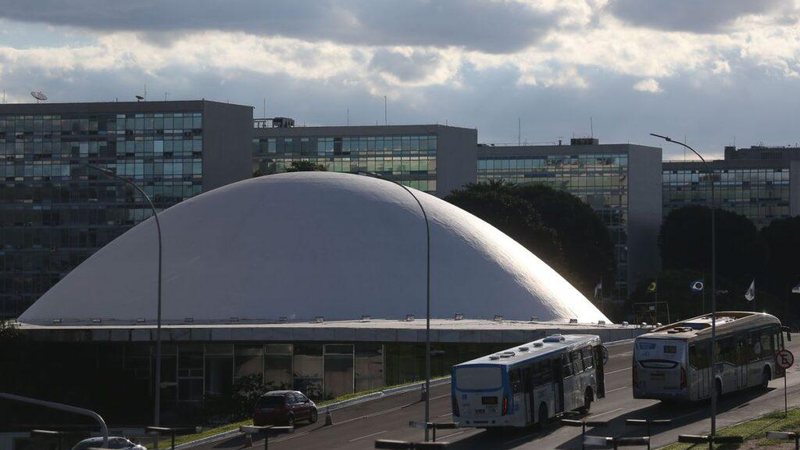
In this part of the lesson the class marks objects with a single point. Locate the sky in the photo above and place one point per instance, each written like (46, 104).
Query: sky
(710, 72)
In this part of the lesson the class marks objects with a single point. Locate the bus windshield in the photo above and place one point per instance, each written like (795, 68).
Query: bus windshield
(485, 378)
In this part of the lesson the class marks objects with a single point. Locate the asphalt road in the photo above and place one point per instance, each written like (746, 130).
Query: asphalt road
(358, 426)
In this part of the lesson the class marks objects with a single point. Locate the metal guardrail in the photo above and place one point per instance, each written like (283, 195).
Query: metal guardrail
(393, 444)
(616, 442)
(648, 423)
(172, 432)
(785, 436)
(434, 426)
(711, 440)
(250, 430)
(583, 424)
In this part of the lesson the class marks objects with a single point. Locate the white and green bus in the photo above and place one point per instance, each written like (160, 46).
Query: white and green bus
(672, 362)
(529, 383)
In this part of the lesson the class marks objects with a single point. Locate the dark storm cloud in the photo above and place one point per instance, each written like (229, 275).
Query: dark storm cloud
(496, 27)
(698, 16)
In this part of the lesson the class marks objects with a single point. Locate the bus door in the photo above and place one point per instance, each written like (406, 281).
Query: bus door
(599, 362)
(699, 370)
(743, 356)
(558, 382)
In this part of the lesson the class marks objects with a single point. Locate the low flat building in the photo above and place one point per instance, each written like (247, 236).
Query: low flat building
(760, 183)
(432, 158)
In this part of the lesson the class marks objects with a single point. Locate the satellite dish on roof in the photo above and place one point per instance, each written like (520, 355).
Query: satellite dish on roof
(39, 96)
(139, 98)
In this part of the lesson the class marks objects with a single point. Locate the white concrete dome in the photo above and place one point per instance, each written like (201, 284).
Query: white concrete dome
(307, 244)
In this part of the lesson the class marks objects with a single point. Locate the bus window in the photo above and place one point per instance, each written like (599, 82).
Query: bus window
(588, 359)
(566, 364)
(726, 350)
(577, 361)
(514, 377)
(542, 373)
(766, 344)
(699, 355)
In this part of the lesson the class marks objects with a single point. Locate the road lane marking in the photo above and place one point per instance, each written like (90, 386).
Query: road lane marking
(607, 412)
(440, 396)
(618, 343)
(616, 371)
(369, 435)
(618, 389)
(445, 415)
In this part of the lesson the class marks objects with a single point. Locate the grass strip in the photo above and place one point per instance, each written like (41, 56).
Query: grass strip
(754, 432)
(166, 443)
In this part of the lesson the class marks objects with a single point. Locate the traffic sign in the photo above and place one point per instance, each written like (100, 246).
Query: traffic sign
(784, 359)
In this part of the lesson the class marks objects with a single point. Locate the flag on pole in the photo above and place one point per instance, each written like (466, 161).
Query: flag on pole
(598, 289)
(696, 286)
(652, 287)
(796, 289)
(750, 295)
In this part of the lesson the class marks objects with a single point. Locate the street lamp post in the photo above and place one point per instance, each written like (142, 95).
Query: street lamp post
(710, 171)
(157, 406)
(427, 300)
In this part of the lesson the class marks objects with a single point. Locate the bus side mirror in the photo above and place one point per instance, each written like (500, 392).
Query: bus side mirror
(788, 333)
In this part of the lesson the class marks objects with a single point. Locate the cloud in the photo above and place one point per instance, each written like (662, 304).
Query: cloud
(696, 16)
(489, 26)
(648, 85)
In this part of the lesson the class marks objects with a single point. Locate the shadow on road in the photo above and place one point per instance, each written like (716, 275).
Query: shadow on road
(681, 414)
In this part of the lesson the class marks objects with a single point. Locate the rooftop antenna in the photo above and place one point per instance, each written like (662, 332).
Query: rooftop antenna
(265, 107)
(145, 92)
(385, 115)
(591, 127)
(39, 96)
(165, 95)
(348, 117)
(519, 131)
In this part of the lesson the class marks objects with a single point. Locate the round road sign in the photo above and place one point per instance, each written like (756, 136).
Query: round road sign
(784, 359)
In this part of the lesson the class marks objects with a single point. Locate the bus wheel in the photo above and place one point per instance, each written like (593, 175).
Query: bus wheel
(765, 377)
(542, 415)
(587, 401)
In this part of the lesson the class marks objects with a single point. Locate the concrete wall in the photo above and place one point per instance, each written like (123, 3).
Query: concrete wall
(644, 212)
(456, 159)
(227, 144)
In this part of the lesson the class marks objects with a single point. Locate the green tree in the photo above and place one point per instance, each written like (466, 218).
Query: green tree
(782, 238)
(685, 245)
(556, 226)
(588, 251)
(496, 202)
(305, 166)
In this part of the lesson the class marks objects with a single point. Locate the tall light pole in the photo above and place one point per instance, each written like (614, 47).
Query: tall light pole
(157, 406)
(710, 171)
(427, 300)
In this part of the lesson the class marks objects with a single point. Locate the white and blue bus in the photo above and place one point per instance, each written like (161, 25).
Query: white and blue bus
(673, 362)
(530, 383)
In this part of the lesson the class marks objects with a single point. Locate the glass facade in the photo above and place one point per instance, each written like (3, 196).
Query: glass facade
(55, 212)
(410, 160)
(760, 194)
(599, 179)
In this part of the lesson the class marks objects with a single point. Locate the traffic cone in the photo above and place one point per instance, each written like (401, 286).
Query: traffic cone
(328, 417)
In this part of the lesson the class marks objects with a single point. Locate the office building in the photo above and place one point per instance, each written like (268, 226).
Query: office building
(619, 181)
(55, 212)
(432, 158)
(760, 183)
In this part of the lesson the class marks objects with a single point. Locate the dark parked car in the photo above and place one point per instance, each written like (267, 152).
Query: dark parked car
(284, 408)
